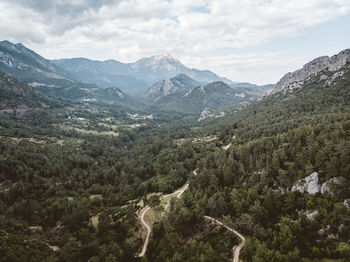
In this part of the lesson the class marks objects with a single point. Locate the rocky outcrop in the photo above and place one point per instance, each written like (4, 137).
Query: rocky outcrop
(296, 79)
(309, 184)
(326, 186)
(205, 114)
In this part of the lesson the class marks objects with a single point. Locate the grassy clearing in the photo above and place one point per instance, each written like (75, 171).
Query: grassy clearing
(92, 132)
(111, 126)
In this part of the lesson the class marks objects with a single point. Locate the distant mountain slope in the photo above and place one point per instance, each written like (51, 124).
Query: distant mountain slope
(133, 78)
(103, 73)
(15, 94)
(40, 73)
(179, 84)
(214, 95)
(297, 78)
(113, 95)
(252, 89)
(27, 65)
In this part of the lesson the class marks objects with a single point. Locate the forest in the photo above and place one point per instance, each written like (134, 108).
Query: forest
(53, 181)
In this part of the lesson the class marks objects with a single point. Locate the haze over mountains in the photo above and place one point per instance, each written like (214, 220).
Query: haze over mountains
(133, 77)
(165, 82)
(162, 80)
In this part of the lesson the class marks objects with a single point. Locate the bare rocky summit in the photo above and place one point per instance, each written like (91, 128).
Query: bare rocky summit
(296, 79)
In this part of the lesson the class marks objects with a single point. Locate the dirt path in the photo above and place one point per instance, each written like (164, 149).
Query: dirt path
(178, 193)
(239, 247)
(144, 248)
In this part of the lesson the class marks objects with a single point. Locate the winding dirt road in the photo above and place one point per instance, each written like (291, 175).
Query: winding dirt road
(239, 247)
(144, 248)
(178, 193)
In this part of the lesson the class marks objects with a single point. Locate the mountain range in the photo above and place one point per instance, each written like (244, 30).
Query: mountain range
(133, 78)
(167, 80)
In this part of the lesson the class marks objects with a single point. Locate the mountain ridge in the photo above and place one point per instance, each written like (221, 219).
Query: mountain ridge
(296, 79)
(214, 95)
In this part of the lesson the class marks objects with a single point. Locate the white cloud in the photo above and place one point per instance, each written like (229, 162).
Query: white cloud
(128, 30)
(246, 67)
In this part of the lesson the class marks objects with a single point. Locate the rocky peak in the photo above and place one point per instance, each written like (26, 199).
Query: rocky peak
(165, 62)
(296, 79)
(161, 88)
(179, 83)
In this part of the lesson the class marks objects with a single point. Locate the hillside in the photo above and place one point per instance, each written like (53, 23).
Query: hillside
(41, 73)
(213, 96)
(278, 172)
(27, 65)
(15, 95)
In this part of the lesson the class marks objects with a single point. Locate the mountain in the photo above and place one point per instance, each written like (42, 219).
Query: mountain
(41, 73)
(27, 65)
(159, 67)
(15, 95)
(179, 84)
(297, 78)
(211, 96)
(133, 78)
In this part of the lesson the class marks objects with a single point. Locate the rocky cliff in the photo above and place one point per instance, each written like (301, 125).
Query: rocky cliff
(296, 79)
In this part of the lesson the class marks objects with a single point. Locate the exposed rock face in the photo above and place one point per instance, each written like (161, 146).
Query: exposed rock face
(325, 188)
(309, 184)
(296, 79)
(205, 114)
(161, 88)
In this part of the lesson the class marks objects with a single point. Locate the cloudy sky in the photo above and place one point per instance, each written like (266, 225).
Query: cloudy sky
(245, 40)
